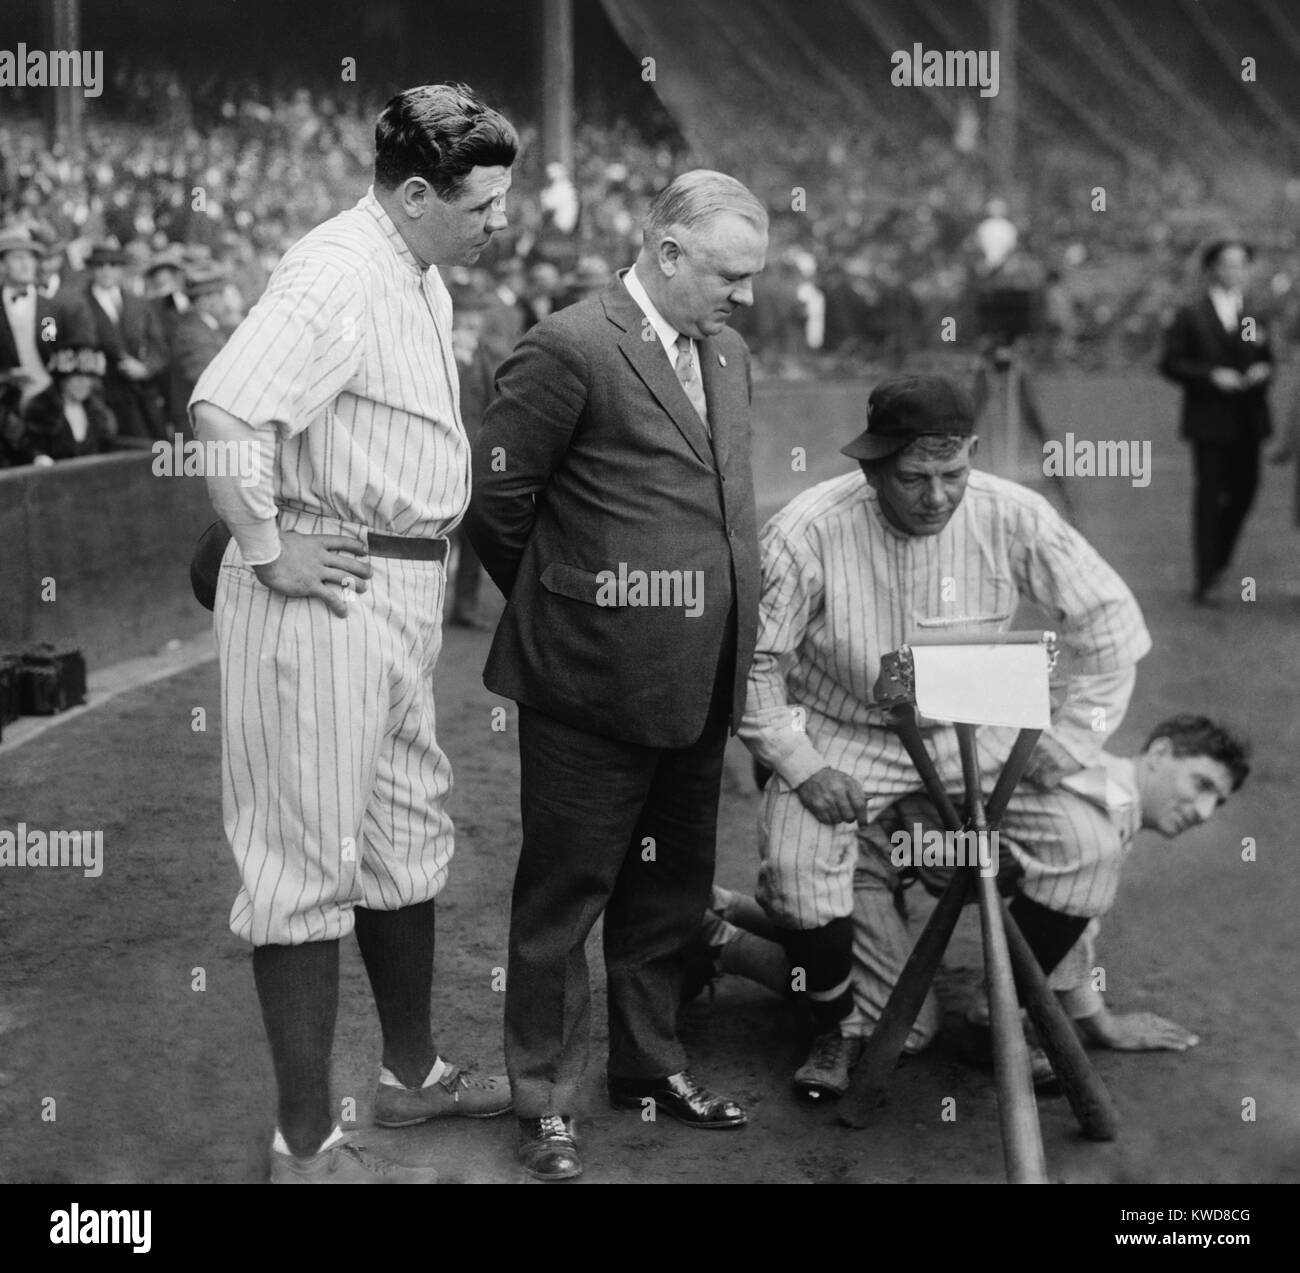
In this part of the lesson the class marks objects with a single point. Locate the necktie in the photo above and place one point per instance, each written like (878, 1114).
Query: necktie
(688, 373)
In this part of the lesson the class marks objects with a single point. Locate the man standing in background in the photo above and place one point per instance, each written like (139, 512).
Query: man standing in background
(1219, 352)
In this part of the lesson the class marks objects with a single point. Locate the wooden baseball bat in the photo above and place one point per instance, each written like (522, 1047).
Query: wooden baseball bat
(1022, 1140)
(1087, 1094)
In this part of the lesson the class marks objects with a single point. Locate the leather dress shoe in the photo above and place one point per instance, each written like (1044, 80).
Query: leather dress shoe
(548, 1147)
(679, 1096)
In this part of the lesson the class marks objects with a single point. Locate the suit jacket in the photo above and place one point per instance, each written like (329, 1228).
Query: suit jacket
(194, 345)
(1195, 344)
(138, 404)
(591, 460)
(138, 332)
(60, 320)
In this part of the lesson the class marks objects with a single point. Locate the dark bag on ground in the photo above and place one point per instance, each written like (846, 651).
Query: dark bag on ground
(51, 678)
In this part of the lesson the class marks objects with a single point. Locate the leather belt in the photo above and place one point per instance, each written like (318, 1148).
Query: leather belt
(408, 549)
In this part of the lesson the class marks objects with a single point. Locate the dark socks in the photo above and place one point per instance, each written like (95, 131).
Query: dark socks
(826, 956)
(298, 987)
(397, 947)
(1048, 933)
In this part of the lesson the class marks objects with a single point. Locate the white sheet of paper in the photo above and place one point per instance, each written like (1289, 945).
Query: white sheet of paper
(983, 684)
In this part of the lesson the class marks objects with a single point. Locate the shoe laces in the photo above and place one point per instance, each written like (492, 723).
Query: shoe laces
(456, 1077)
(370, 1162)
(550, 1126)
(827, 1048)
(693, 1088)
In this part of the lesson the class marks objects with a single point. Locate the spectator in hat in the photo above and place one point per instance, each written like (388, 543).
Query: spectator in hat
(130, 332)
(200, 332)
(70, 418)
(164, 280)
(31, 325)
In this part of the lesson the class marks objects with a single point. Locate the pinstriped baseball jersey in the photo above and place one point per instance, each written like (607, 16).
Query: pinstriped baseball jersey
(333, 784)
(348, 356)
(841, 588)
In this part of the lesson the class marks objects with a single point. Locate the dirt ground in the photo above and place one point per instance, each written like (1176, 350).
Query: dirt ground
(155, 1081)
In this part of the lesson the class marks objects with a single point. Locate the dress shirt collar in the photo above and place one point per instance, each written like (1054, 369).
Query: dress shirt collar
(1227, 304)
(666, 332)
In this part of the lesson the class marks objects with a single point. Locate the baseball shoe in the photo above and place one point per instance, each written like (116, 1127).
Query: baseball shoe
(976, 1047)
(455, 1094)
(825, 1074)
(548, 1147)
(680, 1096)
(346, 1162)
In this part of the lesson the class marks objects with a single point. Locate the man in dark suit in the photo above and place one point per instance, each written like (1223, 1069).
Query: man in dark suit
(1219, 352)
(129, 331)
(613, 505)
(200, 331)
(164, 283)
(32, 325)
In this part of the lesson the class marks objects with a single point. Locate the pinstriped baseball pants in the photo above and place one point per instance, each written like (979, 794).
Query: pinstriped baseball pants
(334, 788)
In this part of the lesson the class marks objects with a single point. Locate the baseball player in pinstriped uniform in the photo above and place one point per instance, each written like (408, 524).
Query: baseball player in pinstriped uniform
(1184, 774)
(329, 619)
(851, 569)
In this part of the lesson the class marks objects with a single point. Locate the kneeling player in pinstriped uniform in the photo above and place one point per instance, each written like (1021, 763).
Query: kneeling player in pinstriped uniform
(1185, 772)
(851, 569)
(329, 619)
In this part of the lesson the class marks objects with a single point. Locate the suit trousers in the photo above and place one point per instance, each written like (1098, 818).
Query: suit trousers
(624, 829)
(1226, 480)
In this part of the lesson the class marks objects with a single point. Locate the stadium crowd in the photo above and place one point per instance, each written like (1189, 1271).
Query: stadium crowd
(154, 242)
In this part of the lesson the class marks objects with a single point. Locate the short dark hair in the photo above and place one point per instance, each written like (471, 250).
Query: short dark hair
(1190, 735)
(1211, 252)
(930, 446)
(440, 132)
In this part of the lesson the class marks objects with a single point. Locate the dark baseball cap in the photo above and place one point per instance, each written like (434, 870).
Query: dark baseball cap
(905, 407)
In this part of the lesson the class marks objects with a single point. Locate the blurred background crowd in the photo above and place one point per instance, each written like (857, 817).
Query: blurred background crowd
(160, 234)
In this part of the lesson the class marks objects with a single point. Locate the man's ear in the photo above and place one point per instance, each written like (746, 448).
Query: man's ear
(414, 197)
(869, 473)
(668, 255)
(1160, 749)
(974, 446)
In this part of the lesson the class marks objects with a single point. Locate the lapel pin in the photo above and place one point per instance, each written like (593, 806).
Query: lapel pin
(722, 362)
